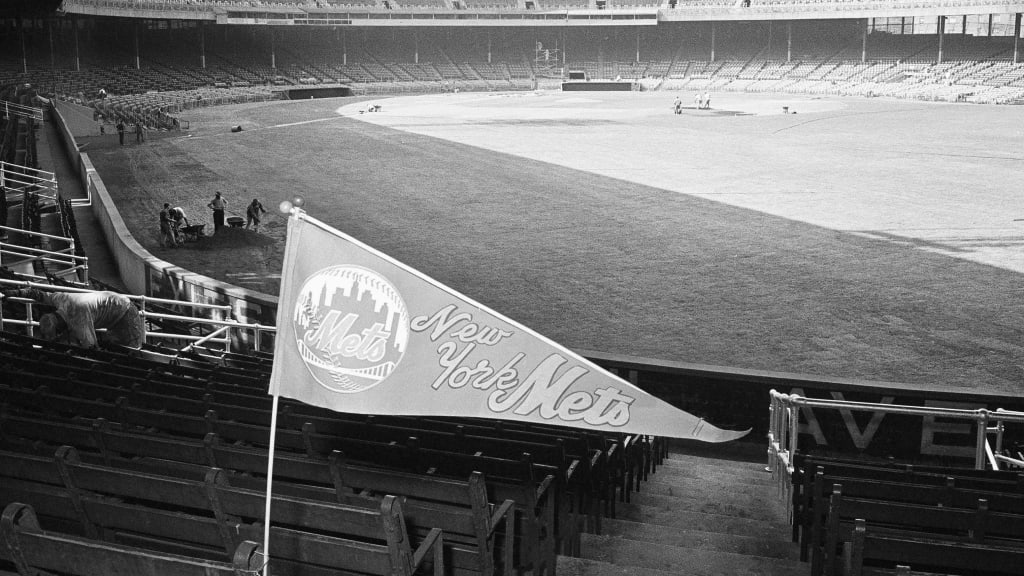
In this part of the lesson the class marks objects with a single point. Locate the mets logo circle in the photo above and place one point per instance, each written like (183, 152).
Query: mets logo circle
(351, 327)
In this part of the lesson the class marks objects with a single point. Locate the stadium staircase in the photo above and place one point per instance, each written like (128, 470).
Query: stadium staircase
(703, 512)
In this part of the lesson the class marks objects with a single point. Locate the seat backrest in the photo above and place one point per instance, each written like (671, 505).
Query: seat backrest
(31, 549)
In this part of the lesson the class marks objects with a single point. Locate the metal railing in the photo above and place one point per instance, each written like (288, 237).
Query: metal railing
(11, 109)
(213, 334)
(784, 429)
(69, 263)
(218, 335)
(996, 456)
(18, 178)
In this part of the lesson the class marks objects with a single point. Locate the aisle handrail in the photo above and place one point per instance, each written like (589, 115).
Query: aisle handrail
(784, 422)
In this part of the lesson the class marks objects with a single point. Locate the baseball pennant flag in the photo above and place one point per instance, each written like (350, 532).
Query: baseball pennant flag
(360, 332)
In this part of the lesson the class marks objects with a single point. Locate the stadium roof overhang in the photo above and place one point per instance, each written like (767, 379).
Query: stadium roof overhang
(796, 10)
(559, 18)
(838, 10)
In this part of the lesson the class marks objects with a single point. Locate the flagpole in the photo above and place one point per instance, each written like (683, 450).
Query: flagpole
(294, 210)
(270, 481)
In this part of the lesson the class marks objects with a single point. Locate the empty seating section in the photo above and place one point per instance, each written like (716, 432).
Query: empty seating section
(491, 4)
(376, 60)
(562, 4)
(350, 3)
(170, 460)
(630, 4)
(934, 519)
(421, 5)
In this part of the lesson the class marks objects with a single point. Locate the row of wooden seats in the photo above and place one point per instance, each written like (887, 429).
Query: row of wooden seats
(629, 464)
(405, 446)
(207, 518)
(31, 549)
(624, 463)
(303, 475)
(935, 556)
(53, 357)
(520, 475)
(249, 411)
(873, 510)
(582, 469)
(111, 368)
(928, 484)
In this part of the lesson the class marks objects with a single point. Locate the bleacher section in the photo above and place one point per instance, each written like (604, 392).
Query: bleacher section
(934, 520)
(822, 59)
(171, 458)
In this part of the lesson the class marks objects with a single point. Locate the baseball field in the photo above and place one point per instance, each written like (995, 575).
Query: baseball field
(859, 238)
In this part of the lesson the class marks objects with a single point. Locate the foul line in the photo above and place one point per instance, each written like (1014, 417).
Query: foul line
(218, 134)
(301, 123)
(835, 116)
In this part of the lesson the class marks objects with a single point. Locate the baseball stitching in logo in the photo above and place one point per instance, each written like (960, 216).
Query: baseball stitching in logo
(351, 327)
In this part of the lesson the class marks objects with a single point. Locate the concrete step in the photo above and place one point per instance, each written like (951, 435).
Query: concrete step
(707, 522)
(713, 460)
(736, 472)
(683, 485)
(703, 498)
(712, 541)
(746, 450)
(568, 566)
(680, 560)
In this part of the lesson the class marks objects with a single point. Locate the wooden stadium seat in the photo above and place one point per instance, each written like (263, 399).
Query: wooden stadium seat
(31, 549)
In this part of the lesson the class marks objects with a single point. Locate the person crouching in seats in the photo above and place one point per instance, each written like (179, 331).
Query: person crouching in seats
(78, 315)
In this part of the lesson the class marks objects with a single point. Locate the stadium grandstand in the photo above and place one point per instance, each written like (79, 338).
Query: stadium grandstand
(155, 461)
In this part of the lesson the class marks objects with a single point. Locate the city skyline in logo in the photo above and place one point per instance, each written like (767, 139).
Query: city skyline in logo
(352, 327)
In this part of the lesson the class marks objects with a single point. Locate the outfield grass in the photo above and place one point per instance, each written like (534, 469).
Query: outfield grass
(858, 238)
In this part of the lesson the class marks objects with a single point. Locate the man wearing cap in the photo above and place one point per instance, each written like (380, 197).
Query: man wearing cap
(78, 315)
(217, 205)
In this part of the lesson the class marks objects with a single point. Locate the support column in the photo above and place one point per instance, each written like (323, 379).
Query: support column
(864, 43)
(344, 48)
(712, 40)
(135, 42)
(416, 47)
(942, 36)
(903, 24)
(789, 42)
(21, 40)
(1016, 38)
(638, 45)
(488, 45)
(202, 45)
(78, 60)
(49, 28)
(563, 50)
(273, 49)
(990, 25)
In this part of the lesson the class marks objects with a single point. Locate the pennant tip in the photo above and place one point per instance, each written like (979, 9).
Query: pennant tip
(718, 436)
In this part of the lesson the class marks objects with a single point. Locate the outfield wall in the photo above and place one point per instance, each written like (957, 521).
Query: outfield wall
(736, 398)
